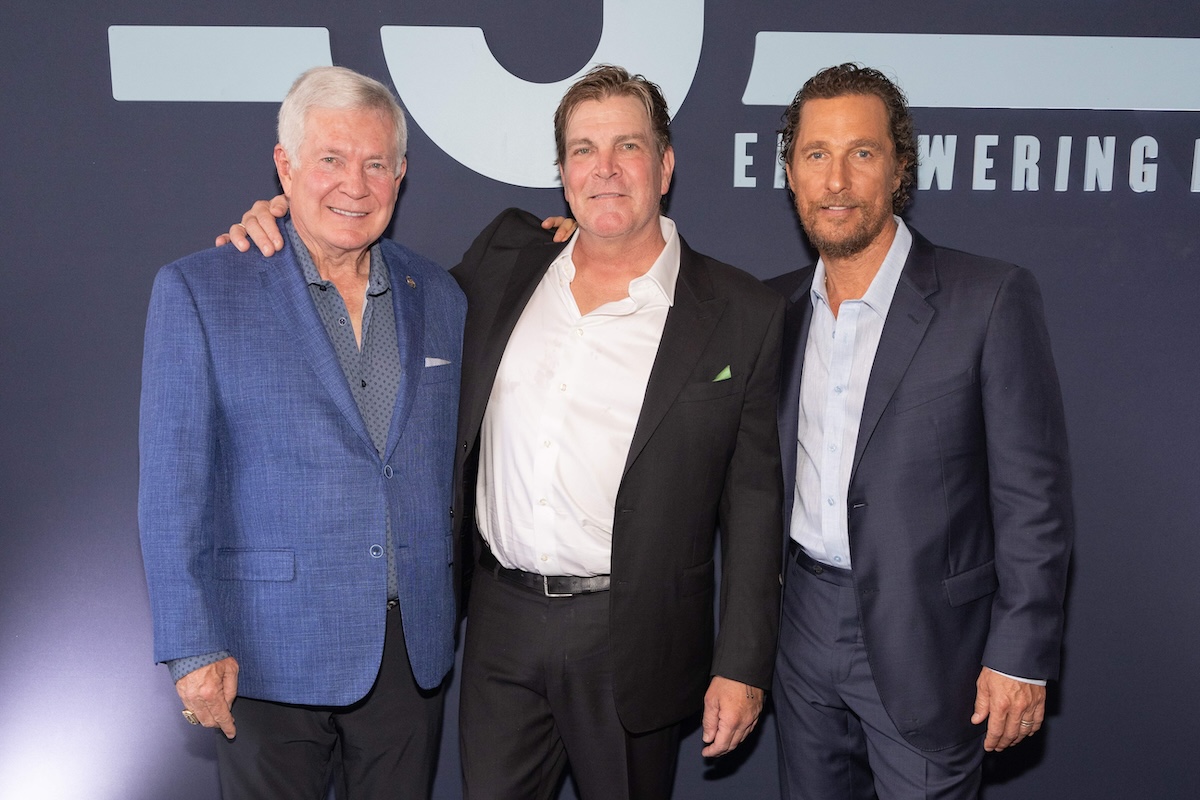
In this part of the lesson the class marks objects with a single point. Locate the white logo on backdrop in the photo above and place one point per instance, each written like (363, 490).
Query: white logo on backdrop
(499, 125)
(472, 107)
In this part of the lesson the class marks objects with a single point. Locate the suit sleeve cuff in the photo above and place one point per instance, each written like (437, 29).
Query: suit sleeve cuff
(178, 667)
(1033, 681)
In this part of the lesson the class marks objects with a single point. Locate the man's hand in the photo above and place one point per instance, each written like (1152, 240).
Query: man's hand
(1013, 709)
(258, 225)
(731, 711)
(564, 226)
(208, 693)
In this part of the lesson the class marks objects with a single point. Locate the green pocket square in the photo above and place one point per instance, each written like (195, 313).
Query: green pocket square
(723, 375)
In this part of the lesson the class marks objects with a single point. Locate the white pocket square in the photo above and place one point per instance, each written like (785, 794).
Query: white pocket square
(435, 362)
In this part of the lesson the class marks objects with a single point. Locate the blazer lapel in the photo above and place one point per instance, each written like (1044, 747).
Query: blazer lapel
(284, 283)
(408, 303)
(905, 326)
(690, 324)
(795, 339)
(486, 339)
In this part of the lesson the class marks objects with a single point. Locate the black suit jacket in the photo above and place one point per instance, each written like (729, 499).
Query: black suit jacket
(703, 454)
(959, 505)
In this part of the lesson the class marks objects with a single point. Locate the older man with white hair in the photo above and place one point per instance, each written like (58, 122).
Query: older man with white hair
(297, 446)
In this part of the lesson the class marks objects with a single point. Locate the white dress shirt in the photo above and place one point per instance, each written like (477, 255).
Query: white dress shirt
(561, 417)
(837, 365)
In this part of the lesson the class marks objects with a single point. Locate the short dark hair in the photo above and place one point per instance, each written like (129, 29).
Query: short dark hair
(848, 79)
(607, 80)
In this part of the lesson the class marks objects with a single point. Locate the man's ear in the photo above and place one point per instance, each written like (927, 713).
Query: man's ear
(668, 168)
(901, 168)
(400, 173)
(283, 167)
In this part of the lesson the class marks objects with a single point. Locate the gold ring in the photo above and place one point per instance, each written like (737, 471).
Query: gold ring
(190, 716)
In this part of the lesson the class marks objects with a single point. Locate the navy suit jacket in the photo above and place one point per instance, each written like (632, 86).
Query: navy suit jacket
(263, 501)
(959, 505)
(704, 453)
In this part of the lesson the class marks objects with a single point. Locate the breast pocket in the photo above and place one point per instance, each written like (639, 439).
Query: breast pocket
(711, 390)
(911, 396)
(436, 373)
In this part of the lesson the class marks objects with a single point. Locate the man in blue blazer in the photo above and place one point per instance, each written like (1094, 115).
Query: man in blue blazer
(925, 462)
(297, 453)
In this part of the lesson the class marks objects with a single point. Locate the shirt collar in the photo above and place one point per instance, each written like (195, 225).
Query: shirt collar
(658, 281)
(878, 296)
(377, 282)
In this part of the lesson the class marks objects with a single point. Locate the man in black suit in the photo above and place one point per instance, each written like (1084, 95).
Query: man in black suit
(925, 463)
(618, 406)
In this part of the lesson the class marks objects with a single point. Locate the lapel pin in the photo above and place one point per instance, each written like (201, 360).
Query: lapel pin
(411, 283)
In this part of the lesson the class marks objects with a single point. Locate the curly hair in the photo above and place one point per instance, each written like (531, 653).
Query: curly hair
(603, 82)
(850, 79)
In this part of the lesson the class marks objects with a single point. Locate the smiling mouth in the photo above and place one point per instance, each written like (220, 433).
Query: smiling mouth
(351, 214)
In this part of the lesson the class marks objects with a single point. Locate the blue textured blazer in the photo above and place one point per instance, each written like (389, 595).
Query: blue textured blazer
(262, 500)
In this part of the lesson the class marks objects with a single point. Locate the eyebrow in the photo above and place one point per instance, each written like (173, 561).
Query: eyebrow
(623, 137)
(337, 151)
(864, 142)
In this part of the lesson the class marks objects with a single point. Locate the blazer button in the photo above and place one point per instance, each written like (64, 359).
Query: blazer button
(451, 513)
(376, 551)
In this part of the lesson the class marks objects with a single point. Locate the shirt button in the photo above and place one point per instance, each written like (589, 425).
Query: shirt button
(341, 320)
(579, 331)
(838, 390)
(838, 559)
(562, 387)
(830, 500)
(542, 502)
(376, 551)
(546, 443)
(833, 448)
(387, 471)
(545, 557)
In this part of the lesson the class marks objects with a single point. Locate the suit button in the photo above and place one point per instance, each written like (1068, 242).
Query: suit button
(451, 513)
(376, 551)
(464, 447)
(387, 471)
(817, 569)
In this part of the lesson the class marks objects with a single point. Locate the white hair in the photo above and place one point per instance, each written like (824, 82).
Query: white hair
(337, 88)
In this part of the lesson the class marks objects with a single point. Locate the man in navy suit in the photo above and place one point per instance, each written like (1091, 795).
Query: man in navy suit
(926, 471)
(297, 454)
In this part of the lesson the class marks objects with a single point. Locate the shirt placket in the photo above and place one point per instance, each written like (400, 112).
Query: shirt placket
(563, 382)
(833, 496)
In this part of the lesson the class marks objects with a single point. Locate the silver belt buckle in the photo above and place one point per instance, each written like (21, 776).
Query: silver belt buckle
(546, 588)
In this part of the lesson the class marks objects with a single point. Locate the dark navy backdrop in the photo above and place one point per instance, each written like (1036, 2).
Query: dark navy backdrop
(97, 193)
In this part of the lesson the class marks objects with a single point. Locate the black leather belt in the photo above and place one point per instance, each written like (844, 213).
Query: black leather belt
(548, 585)
(826, 572)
